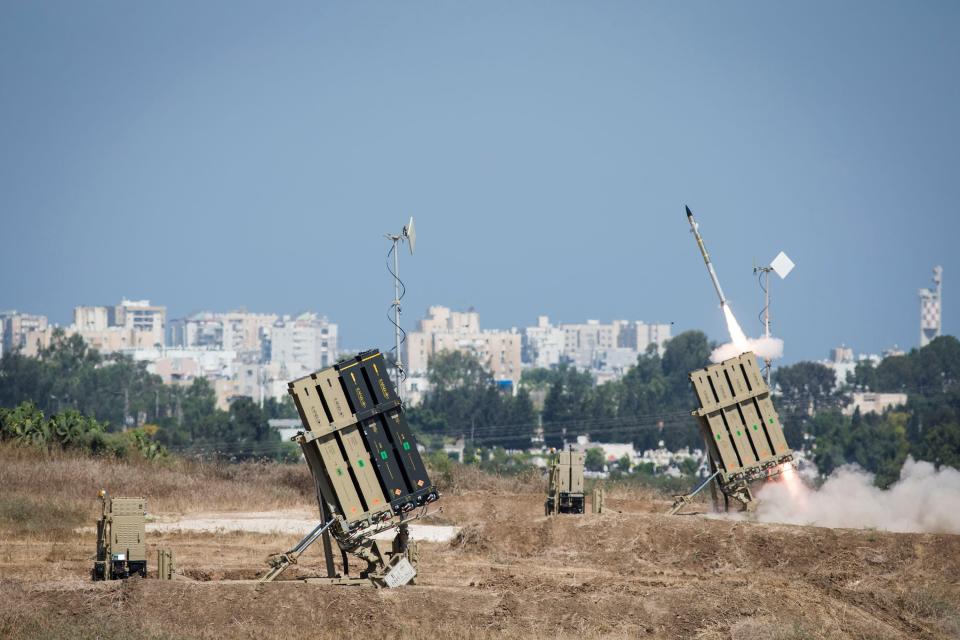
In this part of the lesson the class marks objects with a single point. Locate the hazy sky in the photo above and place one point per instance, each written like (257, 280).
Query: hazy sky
(215, 155)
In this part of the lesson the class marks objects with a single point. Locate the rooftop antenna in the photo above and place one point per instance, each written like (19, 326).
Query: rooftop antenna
(409, 235)
(782, 266)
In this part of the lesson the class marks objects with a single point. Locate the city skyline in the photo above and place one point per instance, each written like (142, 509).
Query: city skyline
(174, 322)
(215, 156)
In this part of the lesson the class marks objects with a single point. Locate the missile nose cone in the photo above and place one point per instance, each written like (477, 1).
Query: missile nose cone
(689, 213)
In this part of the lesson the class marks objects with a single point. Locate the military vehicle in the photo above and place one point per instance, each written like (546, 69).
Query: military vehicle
(121, 538)
(565, 487)
(367, 470)
(742, 433)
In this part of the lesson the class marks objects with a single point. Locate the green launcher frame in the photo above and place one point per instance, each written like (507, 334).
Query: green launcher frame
(357, 442)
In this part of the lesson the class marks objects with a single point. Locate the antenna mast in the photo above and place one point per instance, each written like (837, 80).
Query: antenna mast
(399, 290)
(782, 265)
(765, 285)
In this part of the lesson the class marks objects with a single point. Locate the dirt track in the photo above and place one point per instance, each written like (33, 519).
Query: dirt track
(514, 573)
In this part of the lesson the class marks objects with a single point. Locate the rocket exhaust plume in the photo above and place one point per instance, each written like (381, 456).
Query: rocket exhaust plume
(924, 499)
(737, 336)
(768, 348)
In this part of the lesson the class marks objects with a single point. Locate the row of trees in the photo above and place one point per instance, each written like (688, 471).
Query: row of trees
(927, 427)
(651, 403)
(465, 401)
(120, 394)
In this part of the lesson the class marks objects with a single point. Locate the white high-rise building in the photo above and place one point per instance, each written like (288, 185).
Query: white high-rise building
(639, 335)
(582, 341)
(25, 332)
(543, 344)
(132, 324)
(238, 331)
(606, 349)
(446, 330)
(931, 309)
(303, 344)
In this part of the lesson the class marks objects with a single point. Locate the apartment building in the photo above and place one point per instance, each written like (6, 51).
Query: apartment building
(446, 330)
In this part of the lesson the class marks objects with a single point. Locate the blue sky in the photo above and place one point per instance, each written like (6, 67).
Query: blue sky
(224, 154)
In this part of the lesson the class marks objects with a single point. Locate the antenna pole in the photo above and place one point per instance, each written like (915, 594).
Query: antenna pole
(766, 319)
(396, 313)
(765, 274)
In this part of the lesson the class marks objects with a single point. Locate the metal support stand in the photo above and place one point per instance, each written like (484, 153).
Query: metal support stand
(683, 500)
(714, 494)
(284, 560)
(327, 544)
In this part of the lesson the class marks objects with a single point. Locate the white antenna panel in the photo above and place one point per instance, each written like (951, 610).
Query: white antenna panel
(782, 264)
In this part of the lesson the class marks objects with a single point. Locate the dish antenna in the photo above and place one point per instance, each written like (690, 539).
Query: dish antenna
(409, 235)
(782, 265)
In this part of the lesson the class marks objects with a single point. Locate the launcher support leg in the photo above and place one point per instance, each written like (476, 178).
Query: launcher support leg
(688, 498)
(327, 545)
(714, 486)
(284, 560)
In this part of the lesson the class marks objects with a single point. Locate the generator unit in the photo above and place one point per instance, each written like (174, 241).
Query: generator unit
(121, 538)
(565, 488)
(368, 473)
(742, 433)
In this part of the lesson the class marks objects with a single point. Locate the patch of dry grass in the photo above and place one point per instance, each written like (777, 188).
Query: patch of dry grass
(67, 482)
(25, 515)
(462, 478)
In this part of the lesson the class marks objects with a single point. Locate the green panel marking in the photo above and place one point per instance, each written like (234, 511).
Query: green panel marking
(755, 427)
(360, 463)
(383, 455)
(738, 433)
(406, 446)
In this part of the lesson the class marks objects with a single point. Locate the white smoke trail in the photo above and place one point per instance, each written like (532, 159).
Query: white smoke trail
(923, 500)
(767, 348)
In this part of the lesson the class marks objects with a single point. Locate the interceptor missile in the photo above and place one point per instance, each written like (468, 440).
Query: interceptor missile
(706, 256)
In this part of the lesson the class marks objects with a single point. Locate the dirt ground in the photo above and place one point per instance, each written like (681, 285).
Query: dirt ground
(509, 573)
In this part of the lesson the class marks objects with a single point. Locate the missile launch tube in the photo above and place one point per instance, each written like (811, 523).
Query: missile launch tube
(706, 257)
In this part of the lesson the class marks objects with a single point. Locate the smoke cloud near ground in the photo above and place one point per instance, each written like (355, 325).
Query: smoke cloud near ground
(923, 500)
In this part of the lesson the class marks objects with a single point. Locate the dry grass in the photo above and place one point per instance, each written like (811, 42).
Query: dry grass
(67, 483)
(26, 516)
(461, 479)
(511, 573)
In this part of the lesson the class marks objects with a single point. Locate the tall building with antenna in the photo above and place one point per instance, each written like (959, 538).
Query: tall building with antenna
(931, 308)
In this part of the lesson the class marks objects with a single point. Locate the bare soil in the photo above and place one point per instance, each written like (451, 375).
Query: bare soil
(510, 572)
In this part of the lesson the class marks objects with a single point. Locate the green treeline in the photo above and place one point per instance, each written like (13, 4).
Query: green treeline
(651, 403)
(90, 398)
(118, 394)
(927, 427)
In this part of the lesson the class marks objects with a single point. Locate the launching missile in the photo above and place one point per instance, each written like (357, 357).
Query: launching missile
(706, 257)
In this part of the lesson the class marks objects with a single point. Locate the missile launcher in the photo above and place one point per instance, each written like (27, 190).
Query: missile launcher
(368, 472)
(741, 430)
